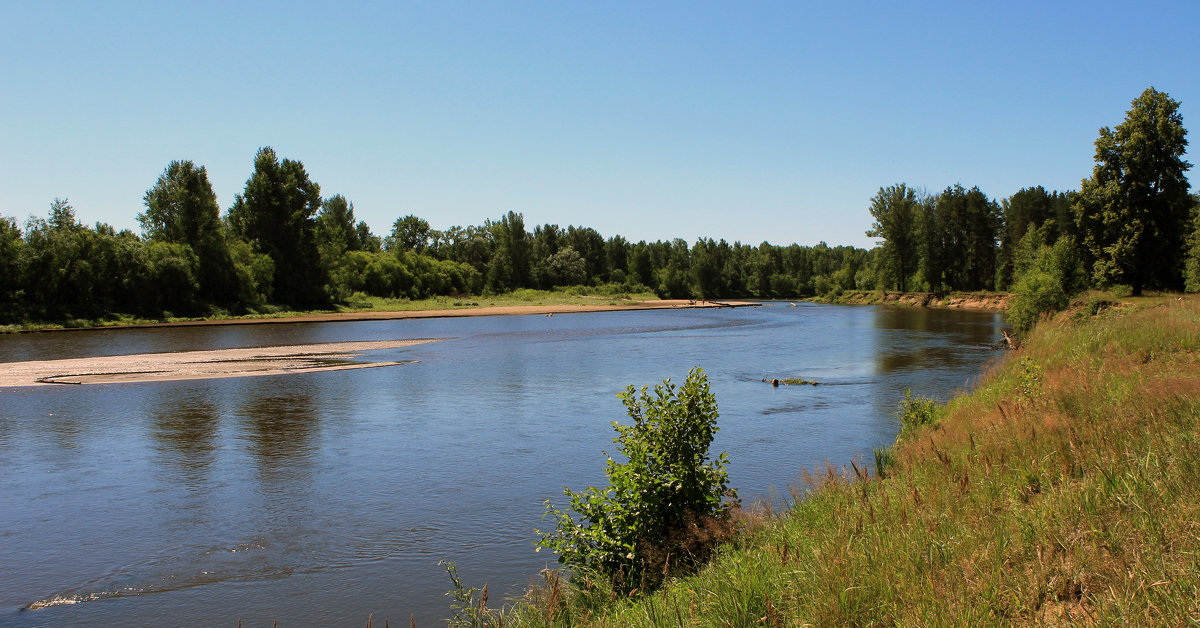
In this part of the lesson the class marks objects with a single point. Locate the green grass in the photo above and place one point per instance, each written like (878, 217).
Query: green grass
(1065, 489)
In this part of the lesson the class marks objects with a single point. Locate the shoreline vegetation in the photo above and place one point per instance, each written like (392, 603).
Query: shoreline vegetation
(523, 302)
(1064, 488)
(529, 302)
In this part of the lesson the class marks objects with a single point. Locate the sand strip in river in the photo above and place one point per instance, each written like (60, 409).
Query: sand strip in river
(145, 367)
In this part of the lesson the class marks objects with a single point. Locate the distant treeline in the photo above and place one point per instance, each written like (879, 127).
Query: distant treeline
(281, 244)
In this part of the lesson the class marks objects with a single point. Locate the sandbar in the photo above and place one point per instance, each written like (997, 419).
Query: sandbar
(383, 315)
(185, 365)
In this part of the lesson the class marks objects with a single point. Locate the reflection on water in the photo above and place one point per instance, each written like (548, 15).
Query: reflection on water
(320, 498)
(186, 428)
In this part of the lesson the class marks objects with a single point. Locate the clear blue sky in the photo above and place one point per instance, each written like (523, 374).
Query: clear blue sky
(745, 121)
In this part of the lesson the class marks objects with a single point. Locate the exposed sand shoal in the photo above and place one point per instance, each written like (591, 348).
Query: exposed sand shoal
(180, 365)
(382, 315)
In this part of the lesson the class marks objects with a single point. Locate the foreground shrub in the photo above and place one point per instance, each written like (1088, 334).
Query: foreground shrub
(665, 507)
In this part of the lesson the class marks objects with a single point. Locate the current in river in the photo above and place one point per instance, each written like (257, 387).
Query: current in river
(324, 498)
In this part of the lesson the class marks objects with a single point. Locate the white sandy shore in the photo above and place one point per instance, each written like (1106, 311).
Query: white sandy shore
(182, 365)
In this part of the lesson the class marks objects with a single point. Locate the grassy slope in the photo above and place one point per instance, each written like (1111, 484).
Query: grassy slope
(1064, 489)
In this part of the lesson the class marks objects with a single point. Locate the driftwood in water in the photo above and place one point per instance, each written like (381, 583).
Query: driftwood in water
(790, 381)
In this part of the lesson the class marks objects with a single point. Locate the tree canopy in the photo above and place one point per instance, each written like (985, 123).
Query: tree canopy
(1133, 211)
(275, 214)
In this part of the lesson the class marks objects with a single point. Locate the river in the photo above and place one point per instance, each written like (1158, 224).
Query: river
(323, 498)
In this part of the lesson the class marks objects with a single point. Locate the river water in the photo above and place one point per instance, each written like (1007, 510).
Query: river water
(323, 498)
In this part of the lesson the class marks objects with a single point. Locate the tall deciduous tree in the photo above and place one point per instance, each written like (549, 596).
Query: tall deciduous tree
(409, 233)
(181, 208)
(335, 228)
(11, 246)
(509, 267)
(1133, 211)
(897, 213)
(275, 214)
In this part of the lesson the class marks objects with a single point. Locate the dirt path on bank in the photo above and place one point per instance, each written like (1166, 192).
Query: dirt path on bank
(182, 365)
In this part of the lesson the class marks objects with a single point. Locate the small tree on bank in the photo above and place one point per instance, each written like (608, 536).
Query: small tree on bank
(665, 506)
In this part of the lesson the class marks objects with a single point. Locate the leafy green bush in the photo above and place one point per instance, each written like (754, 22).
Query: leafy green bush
(915, 412)
(665, 507)
(1037, 293)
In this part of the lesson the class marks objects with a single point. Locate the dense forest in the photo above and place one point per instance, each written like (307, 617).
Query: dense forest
(282, 245)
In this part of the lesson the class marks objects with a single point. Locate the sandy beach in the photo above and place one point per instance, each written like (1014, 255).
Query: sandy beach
(145, 367)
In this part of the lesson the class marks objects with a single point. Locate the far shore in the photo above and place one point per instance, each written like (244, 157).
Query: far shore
(383, 315)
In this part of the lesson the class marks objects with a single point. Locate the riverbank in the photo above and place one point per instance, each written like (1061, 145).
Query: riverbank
(1064, 489)
(394, 310)
(985, 301)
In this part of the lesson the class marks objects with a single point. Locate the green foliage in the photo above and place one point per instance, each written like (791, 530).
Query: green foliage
(885, 459)
(1030, 379)
(11, 252)
(509, 266)
(961, 232)
(1037, 293)
(181, 208)
(660, 503)
(275, 214)
(409, 233)
(897, 213)
(565, 268)
(916, 412)
(1047, 277)
(1192, 263)
(469, 611)
(1133, 211)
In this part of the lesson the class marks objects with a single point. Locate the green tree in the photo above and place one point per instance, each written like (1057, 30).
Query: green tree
(276, 215)
(509, 266)
(336, 235)
(1133, 211)
(181, 208)
(565, 268)
(666, 489)
(1031, 208)
(335, 228)
(1192, 263)
(11, 252)
(897, 213)
(408, 234)
(590, 246)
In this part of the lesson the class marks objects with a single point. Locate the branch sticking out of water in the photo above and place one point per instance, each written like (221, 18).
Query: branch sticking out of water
(791, 381)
